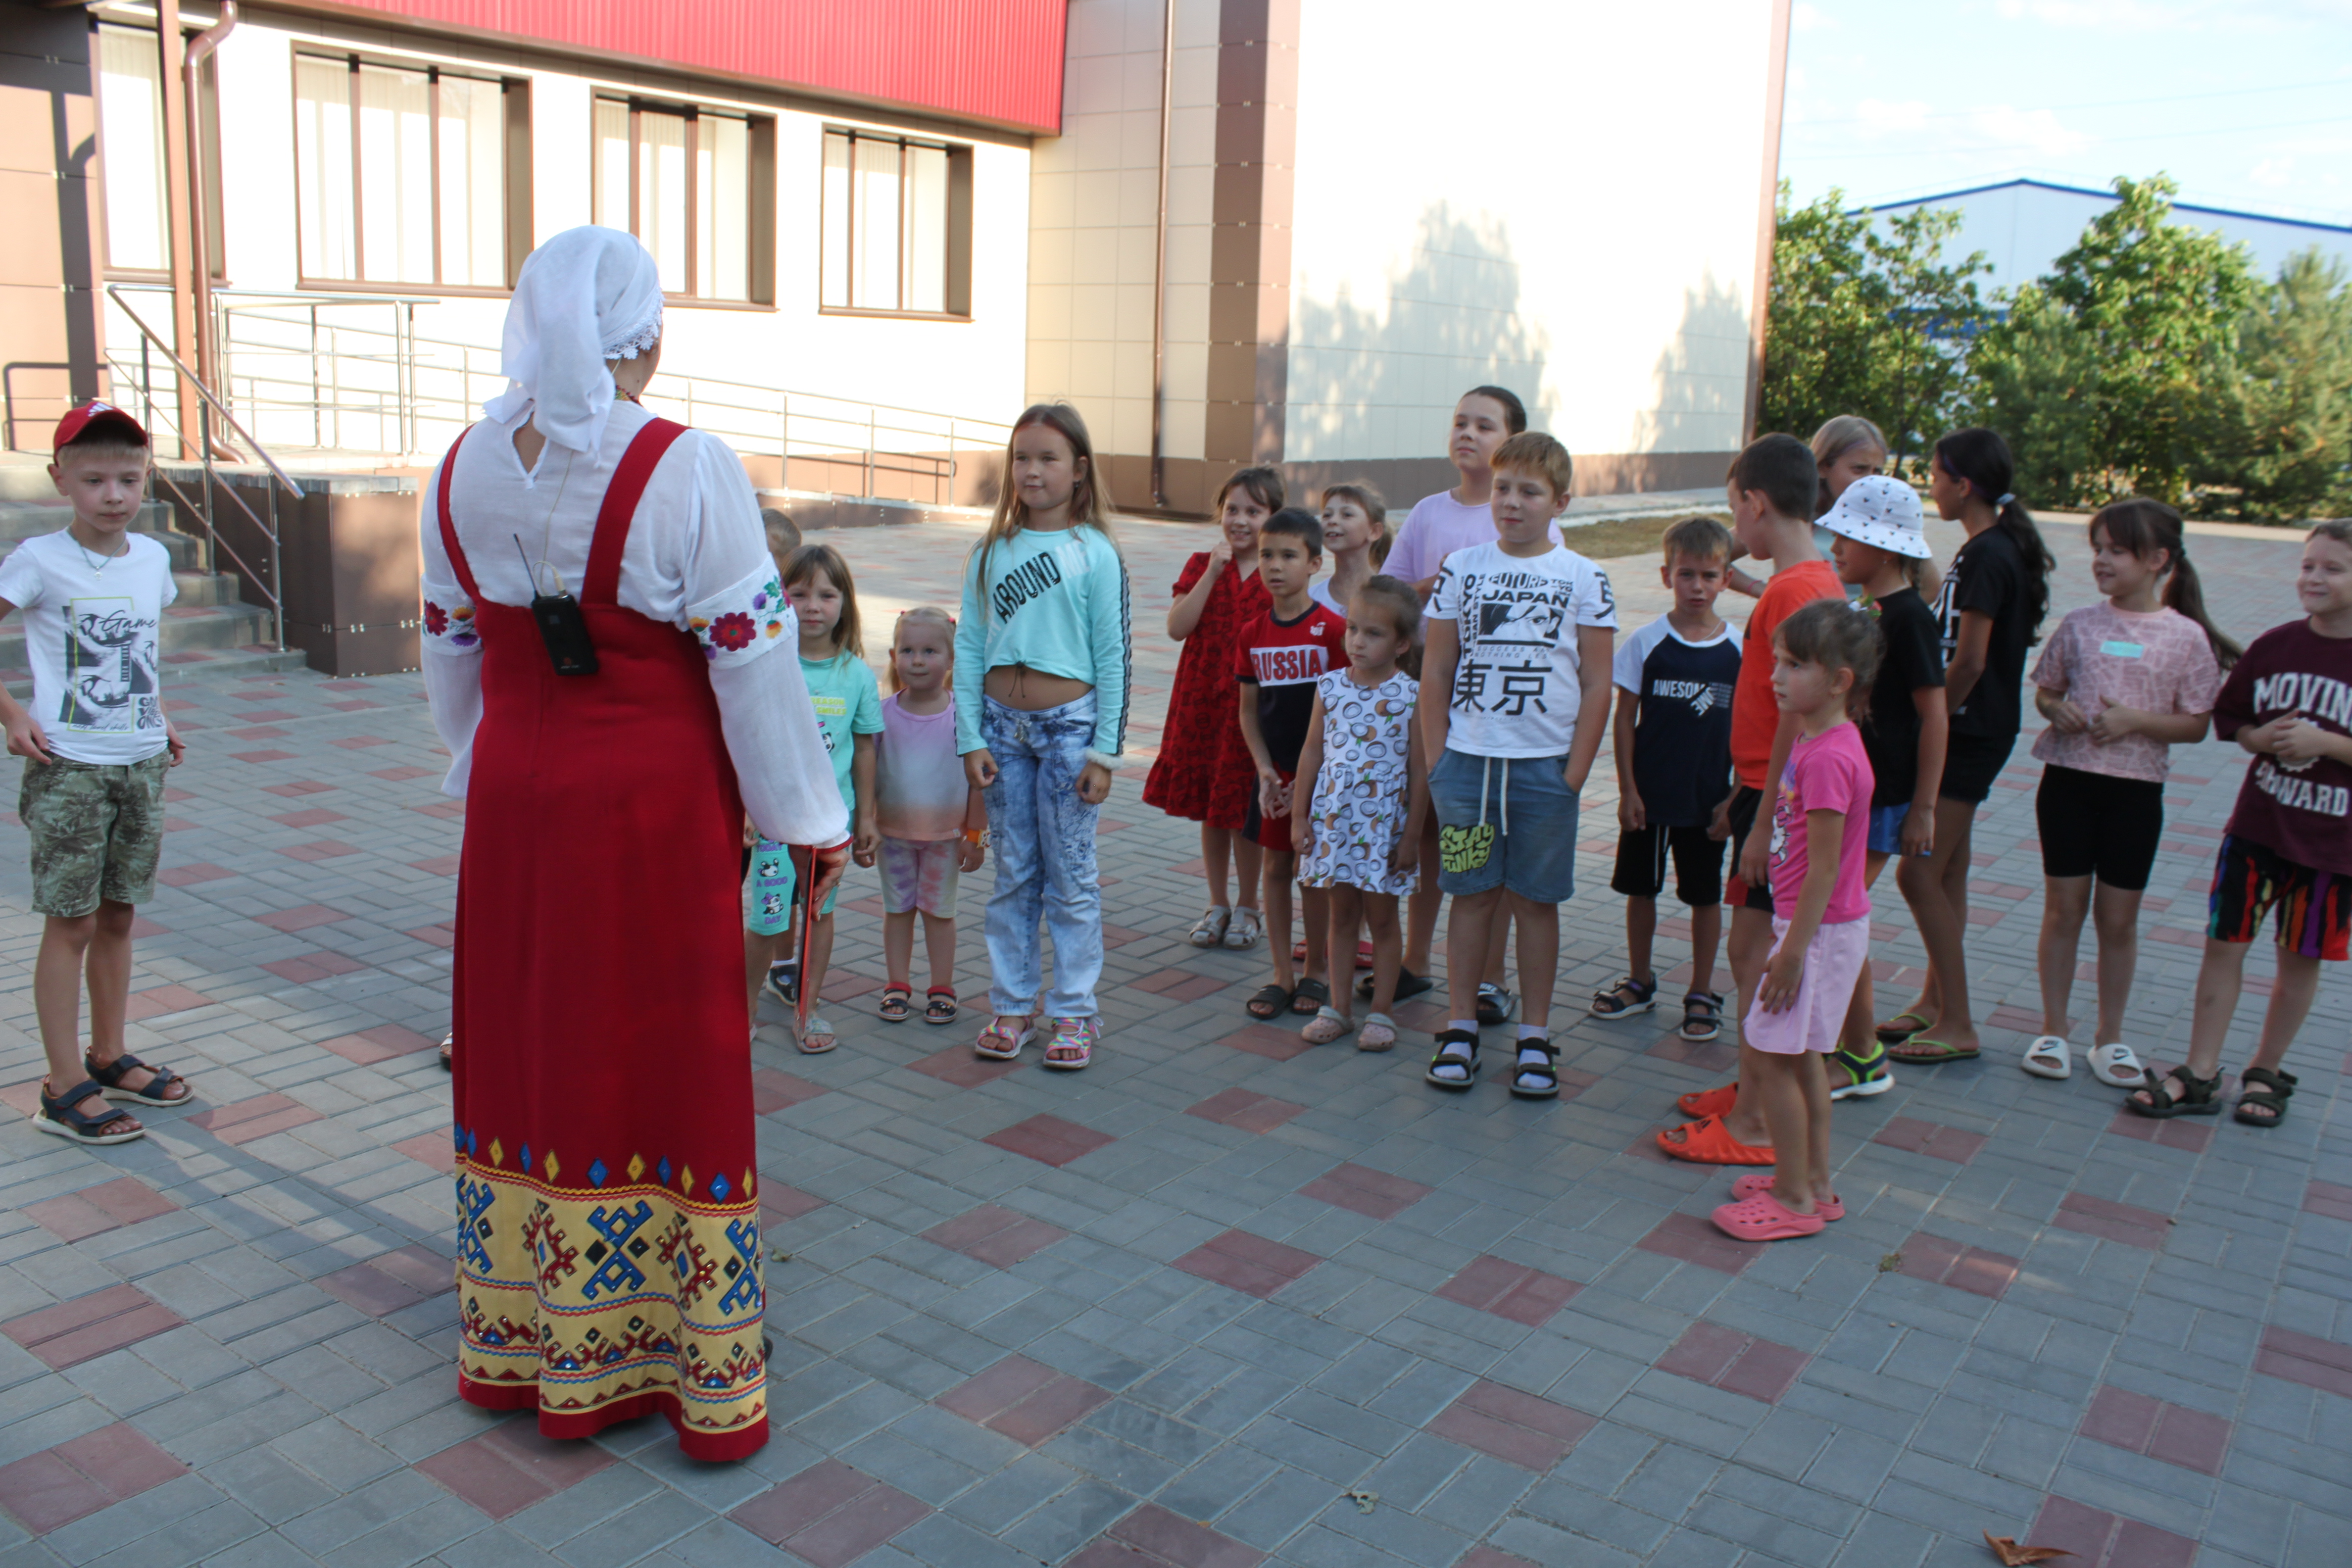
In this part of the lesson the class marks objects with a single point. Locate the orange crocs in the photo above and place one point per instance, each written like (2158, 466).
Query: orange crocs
(1706, 1142)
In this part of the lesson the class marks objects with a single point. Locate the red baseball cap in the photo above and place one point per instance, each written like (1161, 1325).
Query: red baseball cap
(71, 427)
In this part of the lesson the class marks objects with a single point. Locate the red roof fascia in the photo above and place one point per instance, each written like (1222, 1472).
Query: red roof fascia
(994, 60)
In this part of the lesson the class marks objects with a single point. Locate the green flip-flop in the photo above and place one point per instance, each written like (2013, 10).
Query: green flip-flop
(1917, 1051)
(1892, 1033)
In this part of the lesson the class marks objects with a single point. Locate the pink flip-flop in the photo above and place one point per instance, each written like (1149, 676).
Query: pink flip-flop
(1766, 1218)
(1756, 1181)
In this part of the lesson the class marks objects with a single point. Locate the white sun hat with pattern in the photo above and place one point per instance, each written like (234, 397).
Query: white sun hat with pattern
(1881, 512)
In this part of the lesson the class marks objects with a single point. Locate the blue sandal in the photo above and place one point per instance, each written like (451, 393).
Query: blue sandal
(59, 1118)
(112, 1074)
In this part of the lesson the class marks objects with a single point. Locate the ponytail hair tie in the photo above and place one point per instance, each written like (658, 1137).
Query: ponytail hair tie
(2006, 499)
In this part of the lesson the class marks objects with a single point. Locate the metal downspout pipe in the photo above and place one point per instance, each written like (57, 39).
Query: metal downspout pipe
(1160, 255)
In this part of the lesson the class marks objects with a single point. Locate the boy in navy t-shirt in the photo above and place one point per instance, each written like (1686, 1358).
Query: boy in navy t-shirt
(1673, 766)
(1278, 660)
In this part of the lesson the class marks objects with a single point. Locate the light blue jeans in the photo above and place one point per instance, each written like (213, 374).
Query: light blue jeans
(1044, 840)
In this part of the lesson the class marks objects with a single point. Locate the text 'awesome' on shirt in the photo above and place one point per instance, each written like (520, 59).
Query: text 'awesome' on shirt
(2301, 810)
(1284, 659)
(1517, 690)
(91, 635)
(1681, 735)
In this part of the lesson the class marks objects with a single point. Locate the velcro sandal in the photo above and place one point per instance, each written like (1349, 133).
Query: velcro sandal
(1537, 1077)
(1625, 999)
(1456, 1065)
(1702, 1017)
(2197, 1096)
(2267, 1091)
(61, 1116)
(940, 1004)
(112, 1074)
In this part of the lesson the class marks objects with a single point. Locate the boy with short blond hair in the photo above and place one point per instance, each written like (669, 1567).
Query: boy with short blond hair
(96, 744)
(1675, 678)
(1513, 701)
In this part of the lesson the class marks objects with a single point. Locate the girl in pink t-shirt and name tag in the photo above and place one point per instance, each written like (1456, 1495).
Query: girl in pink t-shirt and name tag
(933, 824)
(1823, 659)
(2122, 683)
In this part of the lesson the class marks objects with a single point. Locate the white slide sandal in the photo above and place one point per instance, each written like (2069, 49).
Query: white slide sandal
(2049, 1057)
(2117, 1066)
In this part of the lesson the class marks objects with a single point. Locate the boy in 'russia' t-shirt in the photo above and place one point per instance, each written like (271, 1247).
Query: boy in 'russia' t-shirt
(2288, 701)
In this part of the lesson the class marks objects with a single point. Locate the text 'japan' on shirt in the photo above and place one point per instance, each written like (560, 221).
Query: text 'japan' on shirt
(1516, 689)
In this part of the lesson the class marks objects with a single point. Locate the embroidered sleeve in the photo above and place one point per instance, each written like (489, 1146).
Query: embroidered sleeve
(450, 620)
(739, 623)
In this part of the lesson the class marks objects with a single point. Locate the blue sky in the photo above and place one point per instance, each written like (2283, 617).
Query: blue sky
(2248, 105)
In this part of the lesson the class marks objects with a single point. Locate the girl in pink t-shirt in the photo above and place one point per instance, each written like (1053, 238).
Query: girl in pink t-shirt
(1823, 658)
(933, 824)
(2122, 683)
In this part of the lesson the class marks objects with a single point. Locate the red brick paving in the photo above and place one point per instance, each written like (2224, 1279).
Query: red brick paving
(963, 1066)
(51, 1490)
(313, 817)
(2305, 1359)
(2100, 1540)
(1734, 1362)
(385, 1284)
(402, 774)
(1488, 1557)
(312, 967)
(995, 1235)
(1023, 1400)
(2112, 1221)
(829, 1514)
(779, 1203)
(511, 1467)
(261, 756)
(1247, 1263)
(1152, 1536)
(2190, 1135)
(1239, 1108)
(1694, 1240)
(1049, 1139)
(2172, 1433)
(1516, 1427)
(1276, 1042)
(379, 1044)
(1931, 1138)
(772, 1090)
(323, 849)
(1942, 1262)
(1365, 1191)
(302, 918)
(93, 1211)
(295, 788)
(1715, 1055)
(1512, 1291)
(354, 742)
(2327, 1198)
(247, 1120)
(1179, 984)
(436, 1150)
(87, 1327)
(439, 866)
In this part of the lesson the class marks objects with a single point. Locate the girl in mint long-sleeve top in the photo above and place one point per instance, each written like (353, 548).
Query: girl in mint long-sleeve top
(1045, 622)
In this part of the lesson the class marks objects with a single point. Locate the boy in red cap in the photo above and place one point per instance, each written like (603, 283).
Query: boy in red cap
(96, 744)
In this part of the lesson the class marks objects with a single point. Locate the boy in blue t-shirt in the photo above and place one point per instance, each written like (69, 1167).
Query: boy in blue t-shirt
(1673, 766)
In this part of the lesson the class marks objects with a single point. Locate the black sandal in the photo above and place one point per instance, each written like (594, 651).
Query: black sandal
(940, 1005)
(1409, 984)
(1456, 1047)
(1702, 1015)
(1311, 997)
(449, 1051)
(112, 1074)
(1625, 999)
(59, 1117)
(2278, 1088)
(894, 1006)
(1546, 1072)
(2196, 1097)
(1269, 1002)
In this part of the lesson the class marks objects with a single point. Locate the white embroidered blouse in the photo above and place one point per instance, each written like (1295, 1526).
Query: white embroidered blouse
(697, 559)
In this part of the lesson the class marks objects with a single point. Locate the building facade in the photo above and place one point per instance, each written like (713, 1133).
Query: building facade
(1228, 230)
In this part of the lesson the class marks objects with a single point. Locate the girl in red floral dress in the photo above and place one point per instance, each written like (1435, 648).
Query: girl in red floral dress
(1207, 775)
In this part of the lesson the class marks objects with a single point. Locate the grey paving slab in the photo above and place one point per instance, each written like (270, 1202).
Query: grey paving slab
(1920, 1415)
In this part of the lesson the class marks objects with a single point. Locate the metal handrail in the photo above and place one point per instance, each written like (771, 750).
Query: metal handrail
(274, 592)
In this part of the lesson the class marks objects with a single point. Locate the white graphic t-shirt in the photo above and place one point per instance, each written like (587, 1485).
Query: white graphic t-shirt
(91, 630)
(1516, 689)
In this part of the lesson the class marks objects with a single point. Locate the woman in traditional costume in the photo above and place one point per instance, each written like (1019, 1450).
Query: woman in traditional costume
(608, 1225)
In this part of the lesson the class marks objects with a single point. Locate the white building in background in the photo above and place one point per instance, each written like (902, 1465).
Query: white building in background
(2024, 226)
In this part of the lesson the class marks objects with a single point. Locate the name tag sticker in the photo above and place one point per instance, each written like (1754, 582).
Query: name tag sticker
(2121, 649)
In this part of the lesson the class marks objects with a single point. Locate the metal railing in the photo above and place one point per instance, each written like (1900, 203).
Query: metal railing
(161, 415)
(300, 370)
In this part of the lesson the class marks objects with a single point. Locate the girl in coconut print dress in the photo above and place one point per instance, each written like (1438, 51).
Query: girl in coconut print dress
(1362, 770)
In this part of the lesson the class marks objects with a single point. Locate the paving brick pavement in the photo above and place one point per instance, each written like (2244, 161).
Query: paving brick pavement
(1219, 1301)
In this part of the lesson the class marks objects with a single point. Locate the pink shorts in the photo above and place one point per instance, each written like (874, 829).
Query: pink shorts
(1815, 1021)
(918, 874)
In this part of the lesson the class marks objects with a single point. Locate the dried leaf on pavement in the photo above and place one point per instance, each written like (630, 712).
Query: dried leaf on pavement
(2012, 1556)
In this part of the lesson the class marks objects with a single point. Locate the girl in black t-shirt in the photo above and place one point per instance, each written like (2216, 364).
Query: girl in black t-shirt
(1990, 608)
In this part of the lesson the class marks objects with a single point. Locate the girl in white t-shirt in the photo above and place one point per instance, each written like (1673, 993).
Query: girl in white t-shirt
(933, 822)
(1355, 540)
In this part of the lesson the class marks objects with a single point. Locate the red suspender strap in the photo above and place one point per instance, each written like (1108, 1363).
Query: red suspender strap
(620, 509)
(450, 527)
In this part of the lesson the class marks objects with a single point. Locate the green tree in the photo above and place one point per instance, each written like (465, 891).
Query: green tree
(1867, 317)
(2284, 441)
(2155, 310)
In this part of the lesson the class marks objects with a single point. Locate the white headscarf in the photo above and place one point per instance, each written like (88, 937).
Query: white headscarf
(589, 295)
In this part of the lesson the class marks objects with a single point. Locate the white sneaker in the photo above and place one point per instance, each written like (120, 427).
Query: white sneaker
(2049, 1057)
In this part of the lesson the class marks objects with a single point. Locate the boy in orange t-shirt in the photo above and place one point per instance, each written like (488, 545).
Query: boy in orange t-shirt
(1770, 489)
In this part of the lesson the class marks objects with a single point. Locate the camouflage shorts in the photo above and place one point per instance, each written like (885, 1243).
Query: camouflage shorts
(97, 832)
